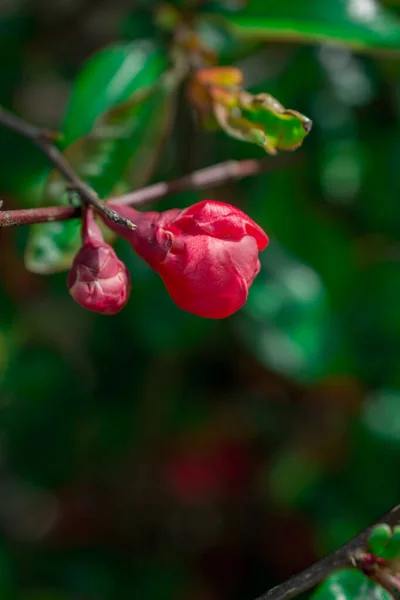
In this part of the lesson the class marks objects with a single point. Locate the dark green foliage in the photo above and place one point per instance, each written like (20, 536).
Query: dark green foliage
(154, 454)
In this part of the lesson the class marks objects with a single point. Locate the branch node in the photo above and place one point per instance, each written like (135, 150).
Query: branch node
(44, 140)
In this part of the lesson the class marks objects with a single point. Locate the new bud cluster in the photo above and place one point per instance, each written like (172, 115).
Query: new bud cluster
(206, 255)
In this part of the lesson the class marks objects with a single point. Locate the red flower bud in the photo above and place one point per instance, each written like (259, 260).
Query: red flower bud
(98, 280)
(207, 254)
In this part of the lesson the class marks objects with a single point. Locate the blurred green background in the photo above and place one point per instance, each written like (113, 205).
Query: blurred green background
(155, 454)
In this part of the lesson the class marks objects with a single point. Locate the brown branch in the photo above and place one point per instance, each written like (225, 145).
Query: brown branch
(45, 214)
(43, 141)
(215, 175)
(198, 180)
(343, 557)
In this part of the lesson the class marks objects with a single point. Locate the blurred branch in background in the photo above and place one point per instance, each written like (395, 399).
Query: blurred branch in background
(45, 142)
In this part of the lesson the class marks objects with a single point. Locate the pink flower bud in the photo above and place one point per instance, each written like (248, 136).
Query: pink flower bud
(207, 254)
(98, 280)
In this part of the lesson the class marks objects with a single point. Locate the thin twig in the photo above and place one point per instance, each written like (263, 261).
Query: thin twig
(198, 180)
(43, 141)
(343, 557)
(45, 214)
(215, 175)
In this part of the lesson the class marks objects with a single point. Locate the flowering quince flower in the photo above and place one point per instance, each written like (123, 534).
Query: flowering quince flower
(207, 254)
(98, 280)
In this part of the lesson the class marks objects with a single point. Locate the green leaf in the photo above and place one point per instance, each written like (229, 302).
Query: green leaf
(349, 584)
(120, 152)
(392, 550)
(111, 76)
(52, 246)
(128, 131)
(360, 24)
(379, 537)
(121, 125)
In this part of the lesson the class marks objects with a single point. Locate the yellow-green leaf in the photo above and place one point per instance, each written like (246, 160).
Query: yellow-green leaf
(262, 120)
